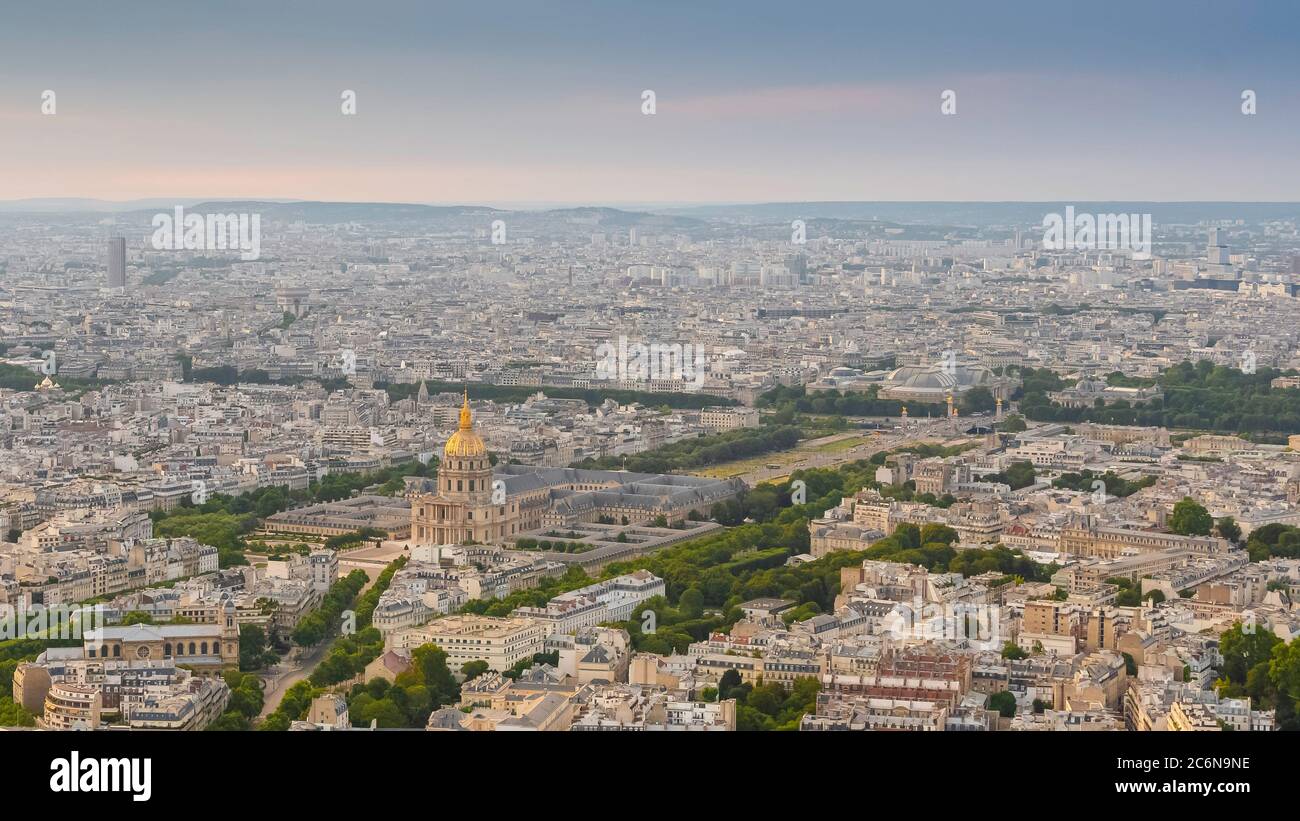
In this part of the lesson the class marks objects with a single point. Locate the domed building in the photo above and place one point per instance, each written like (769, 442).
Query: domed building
(464, 509)
(1088, 391)
(935, 383)
(473, 502)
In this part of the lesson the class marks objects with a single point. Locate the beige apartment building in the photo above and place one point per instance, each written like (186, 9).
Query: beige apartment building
(1085, 538)
(501, 642)
(723, 419)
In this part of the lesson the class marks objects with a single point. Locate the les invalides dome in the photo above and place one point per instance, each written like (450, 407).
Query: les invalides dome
(465, 443)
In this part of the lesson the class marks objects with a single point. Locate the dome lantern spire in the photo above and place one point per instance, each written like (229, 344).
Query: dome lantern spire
(465, 442)
(466, 418)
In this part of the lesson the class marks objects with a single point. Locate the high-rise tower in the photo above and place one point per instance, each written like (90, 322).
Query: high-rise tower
(117, 262)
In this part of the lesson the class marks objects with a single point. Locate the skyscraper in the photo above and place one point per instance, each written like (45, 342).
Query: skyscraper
(1218, 262)
(117, 262)
(1216, 251)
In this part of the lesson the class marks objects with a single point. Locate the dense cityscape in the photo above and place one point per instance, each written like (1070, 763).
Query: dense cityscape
(790, 467)
(376, 379)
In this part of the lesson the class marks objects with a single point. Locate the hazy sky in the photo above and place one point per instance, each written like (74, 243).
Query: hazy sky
(497, 102)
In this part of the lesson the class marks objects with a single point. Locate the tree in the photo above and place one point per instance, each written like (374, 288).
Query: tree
(691, 603)
(137, 617)
(474, 669)
(730, 680)
(1228, 528)
(938, 533)
(1004, 702)
(1284, 669)
(12, 714)
(429, 661)
(1013, 652)
(1129, 597)
(275, 722)
(1244, 647)
(253, 651)
(977, 400)
(245, 694)
(908, 536)
(230, 721)
(1020, 474)
(1190, 518)
(383, 713)
(1015, 423)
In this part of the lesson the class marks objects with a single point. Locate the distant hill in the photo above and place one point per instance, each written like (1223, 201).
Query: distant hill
(850, 217)
(335, 212)
(989, 213)
(73, 205)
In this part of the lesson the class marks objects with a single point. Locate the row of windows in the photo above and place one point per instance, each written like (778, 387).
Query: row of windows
(167, 649)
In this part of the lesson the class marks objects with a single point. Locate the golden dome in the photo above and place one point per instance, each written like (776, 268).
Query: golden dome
(465, 443)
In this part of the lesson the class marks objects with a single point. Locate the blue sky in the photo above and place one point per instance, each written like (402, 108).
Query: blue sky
(758, 101)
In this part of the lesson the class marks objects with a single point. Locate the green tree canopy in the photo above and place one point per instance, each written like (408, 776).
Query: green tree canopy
(1190, 518)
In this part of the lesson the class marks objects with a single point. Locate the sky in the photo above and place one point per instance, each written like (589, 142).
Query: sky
(511, 102)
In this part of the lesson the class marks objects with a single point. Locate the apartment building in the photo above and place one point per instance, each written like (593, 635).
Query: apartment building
(501, 642)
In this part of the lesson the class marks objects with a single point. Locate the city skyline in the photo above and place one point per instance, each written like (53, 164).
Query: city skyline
(421, 369)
